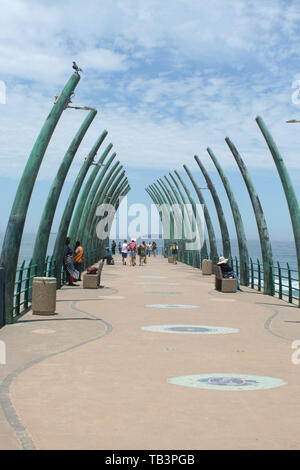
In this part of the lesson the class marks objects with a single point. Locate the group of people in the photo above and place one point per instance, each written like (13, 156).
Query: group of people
(73, 259)
(73, 262)
(132, 249)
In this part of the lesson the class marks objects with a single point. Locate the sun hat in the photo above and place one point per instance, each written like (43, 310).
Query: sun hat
(222, 260)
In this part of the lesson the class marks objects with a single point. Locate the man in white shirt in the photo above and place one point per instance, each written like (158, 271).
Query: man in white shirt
(124, 252)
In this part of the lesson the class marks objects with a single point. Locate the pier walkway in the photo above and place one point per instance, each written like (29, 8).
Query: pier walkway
(90, 377)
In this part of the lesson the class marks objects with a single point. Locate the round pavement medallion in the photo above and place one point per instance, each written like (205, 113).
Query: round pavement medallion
(161, 292)
(43, 331)
(152, 277)
(150, 283)
(232, 382)
(190, 329)
(172, 306)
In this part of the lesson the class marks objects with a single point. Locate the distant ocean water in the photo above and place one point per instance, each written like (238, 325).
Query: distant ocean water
(283, 251)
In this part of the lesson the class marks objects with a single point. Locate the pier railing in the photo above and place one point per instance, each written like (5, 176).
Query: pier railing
(26, 272)
(285, 280)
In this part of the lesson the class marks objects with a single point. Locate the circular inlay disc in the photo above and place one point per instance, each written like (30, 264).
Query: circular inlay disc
(149, 283)
(232, 382)
(172, 306)
(152, 277)
(162, 292)
(43, 331)
(190, 329)
(223, 300)
(110, 297)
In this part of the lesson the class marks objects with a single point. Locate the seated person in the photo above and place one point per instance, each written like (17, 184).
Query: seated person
(108, 255)
(227, 272)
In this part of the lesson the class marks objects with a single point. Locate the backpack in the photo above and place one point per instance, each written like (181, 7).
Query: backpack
(92, 270)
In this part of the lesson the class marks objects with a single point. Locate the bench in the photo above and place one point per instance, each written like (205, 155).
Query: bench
(100, 267)
(92, 281)
(222, 284)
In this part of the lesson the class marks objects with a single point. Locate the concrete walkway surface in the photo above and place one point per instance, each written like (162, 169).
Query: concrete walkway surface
(89, 377)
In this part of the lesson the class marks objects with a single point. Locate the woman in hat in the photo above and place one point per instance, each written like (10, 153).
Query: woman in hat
(225, 268)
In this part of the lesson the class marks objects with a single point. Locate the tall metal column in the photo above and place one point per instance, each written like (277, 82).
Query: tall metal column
(194, 209)
(265, 244)
(106, 183)
(170, 217)
(174, 208)
(209, 225)
(166, 214)
(119, 191)
(204, 252)
(58, 251)
(42, 237)
(91, 195)
(80, 204)
(15, 226)
(220, 213)
(287, 187)
(239, 226)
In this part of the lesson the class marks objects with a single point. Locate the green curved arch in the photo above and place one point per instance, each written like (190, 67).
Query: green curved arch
(265, 244)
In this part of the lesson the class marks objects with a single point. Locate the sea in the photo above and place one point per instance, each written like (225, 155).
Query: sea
(283, 251)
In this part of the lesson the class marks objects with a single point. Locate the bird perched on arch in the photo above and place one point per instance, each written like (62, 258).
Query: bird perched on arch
(76, 68)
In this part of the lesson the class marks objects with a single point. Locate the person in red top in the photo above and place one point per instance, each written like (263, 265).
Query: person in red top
(132, 247)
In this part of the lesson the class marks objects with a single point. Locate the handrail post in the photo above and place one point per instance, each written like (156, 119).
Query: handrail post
(18, 290)
(237, 267)
(290, 284)
(279, 280)
(259, 275)
(27, 285)
(272, 280)
(252, 273)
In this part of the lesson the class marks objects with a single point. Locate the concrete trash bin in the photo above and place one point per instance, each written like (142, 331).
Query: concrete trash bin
(207, 267)
(43, 295)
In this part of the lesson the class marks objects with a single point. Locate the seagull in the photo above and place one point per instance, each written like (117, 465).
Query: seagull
(75, 67)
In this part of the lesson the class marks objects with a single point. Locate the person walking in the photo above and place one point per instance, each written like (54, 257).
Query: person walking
(174, 250)
(124, 251)
(132, 247)
(78, 258)
(154, 248)
(145, 250)
(113, 247)
(120, 248)
(142, 253)
(149, 249)
(71, 273)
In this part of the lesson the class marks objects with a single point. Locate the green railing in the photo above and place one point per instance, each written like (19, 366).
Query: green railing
(26, 273)
(23, 284)
(285, 280)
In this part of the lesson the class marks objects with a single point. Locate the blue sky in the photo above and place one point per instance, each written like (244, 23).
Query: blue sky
(168, 79)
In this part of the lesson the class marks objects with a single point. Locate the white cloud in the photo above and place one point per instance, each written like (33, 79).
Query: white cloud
(169, 78)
